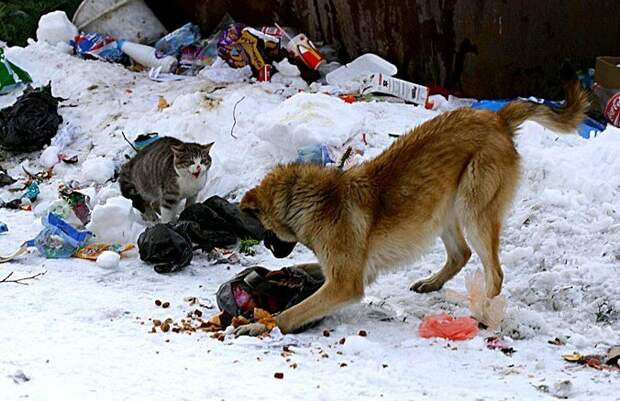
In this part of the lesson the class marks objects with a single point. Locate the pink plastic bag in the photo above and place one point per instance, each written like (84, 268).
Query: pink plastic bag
(445, 326)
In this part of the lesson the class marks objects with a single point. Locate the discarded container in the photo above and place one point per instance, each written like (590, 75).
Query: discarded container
(132, 20)
(145, 55)
(409, 92)
(173, 43)
(98, 46)
(612, 110)
(300, 47)
(11, 76)
(607, 72)
(361, 67)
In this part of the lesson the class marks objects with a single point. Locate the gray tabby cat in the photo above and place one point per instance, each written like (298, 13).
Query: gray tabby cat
(164, 173)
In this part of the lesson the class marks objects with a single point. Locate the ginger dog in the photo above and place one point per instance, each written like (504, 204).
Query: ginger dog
(453, 175)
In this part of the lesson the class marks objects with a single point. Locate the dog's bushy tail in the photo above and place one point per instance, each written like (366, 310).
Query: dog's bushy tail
(563, 120)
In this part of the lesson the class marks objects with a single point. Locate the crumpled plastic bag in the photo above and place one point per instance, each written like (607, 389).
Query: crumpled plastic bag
(11, 76)
(488, 311)
(170, 246)
(58, 239)
(31, 122)
(170, 250)
(173, 43)
(99, 46)
(217, 214)
(273, 291)
(448, 327)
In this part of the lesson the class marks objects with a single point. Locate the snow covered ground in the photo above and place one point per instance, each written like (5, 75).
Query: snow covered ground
(82, 332)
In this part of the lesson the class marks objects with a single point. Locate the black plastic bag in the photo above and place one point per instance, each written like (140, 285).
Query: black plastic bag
(273, 291)
(205, 239)
(171, 246)
(31, 122)
(5, 179)
(169, 249)
(205, 217)
(217, 214)
(241, 223)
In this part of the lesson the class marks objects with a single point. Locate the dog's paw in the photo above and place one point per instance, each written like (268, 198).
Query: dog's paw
(428, 284)
(250, 329)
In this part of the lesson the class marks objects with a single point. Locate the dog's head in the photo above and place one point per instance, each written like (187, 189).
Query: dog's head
(264, 202)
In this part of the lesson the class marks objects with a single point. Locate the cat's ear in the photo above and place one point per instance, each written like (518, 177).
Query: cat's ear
(207, 147)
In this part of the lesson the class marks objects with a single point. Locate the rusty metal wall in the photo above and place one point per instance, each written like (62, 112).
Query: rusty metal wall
(480, 48)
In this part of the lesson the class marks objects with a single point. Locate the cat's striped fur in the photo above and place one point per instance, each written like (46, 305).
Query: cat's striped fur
(164, 173)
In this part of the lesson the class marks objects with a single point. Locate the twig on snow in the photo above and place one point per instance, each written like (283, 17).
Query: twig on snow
(127, 140)
(21, 280)
(232, 129)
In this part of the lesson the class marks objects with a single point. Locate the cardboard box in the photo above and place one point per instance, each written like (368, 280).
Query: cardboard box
(607, 72)
(410, 92)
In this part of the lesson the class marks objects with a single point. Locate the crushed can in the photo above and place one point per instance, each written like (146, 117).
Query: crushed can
(612, 110)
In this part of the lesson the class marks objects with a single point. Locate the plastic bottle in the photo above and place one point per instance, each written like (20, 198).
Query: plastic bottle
(145, 55)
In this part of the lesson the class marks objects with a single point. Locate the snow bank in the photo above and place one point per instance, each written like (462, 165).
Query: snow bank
(115, 222)
(307, 119)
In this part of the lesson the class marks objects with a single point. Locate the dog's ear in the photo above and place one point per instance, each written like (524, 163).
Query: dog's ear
(249, 203)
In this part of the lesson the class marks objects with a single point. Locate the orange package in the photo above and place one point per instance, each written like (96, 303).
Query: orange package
(445, 326)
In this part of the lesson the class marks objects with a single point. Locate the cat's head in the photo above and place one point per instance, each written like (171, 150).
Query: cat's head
(192, 159)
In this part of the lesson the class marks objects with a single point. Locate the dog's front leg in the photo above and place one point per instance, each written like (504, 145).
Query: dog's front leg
(344, 284)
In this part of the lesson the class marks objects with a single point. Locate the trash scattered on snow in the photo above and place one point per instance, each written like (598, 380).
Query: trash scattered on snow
(349, 77)
(408, 91)
(448, 327)
(58, 239)
(31, 122)
(273, 291)
(488, 311)
(11, 76)
(145, 55)
(5, 179)
(25, 200)
(495, 343)
(93, 251)
(173, 43)
(98, 46)
(610, 361)
(3, 228)
(132, 20)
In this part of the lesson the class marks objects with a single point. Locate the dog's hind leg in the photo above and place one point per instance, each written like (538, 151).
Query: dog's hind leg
(485, 193)
(458, 253)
